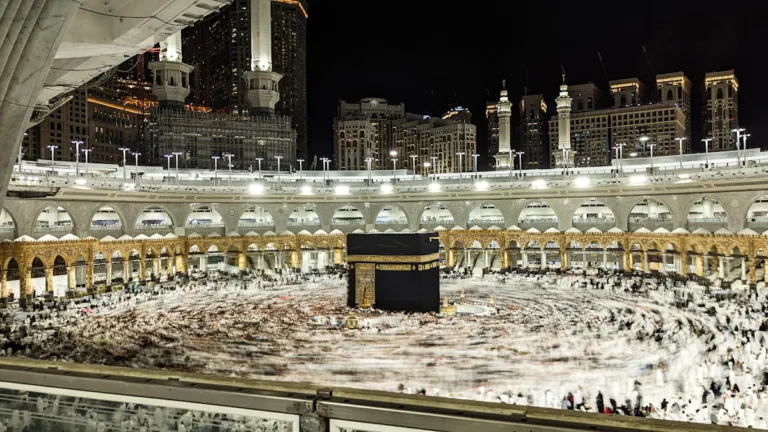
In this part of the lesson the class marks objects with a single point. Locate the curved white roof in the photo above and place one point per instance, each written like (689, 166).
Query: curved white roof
(615, 230)
(643, 230)
(533, 231)
(594, 230)
(701, 231)
(552, 230)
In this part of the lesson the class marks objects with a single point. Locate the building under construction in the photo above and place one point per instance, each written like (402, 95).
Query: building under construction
(200, 136)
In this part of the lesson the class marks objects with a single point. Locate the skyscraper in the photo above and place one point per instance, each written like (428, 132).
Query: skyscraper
(219, 48)
(492, 118)
(676, 87)
(533, 131)
(721, 109)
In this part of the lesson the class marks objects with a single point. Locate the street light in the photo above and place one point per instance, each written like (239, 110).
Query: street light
(706, 151)
(258, 160)
(475, 156)
(229, 165)
(278, 170)
(86, 151)
(368, 161)
(427, 165)
(124, 150)
(324, 178)
(77, 156)
(169, 157)
(434, 166)
(620, 154)
(215, 168)
(394, 169)
(738, 143)
(301, 166)
(511, 162)
(680, 140)
(52, 148)
(745, 136)
(520, 162)
(651, 146)
(413, 165)
(136, 161)
(176, 155)
(460, 155)
(644, 139)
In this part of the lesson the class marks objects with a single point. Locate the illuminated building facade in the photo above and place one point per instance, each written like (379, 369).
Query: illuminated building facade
(721, 109)
(533, 134)
(676, 87)
(492, 119)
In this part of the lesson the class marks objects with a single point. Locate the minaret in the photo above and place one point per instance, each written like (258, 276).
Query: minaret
(170, 77)
(504, 109)
(565, 155)
(263, 92)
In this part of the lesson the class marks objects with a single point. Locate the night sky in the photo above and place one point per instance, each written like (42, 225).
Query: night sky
(429, 54)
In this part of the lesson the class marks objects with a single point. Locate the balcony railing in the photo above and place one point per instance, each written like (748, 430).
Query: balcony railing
(347, 222)
(152, 226)
(487, 221)
(204, 225)
(538, 220)
(718, 219)
(7, 229)
(597, 221)
(392, 222)
(307, 223)
(641, 219)
(256, 224)
(54, 228)
(100, 227)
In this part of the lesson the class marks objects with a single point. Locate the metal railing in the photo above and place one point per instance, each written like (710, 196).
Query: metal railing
(256, 225)
(54, 228)
(487, 221)
(26, 385)
(392, 222)
(140, 226)
(696, 219)
(99, 227)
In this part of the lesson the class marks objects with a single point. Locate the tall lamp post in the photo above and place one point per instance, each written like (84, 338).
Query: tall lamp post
(52, 148)
(738, 143)
(323, 160)
(169, 157)
(136, 161)
(706, 151)
(620, 154)
(278, 170)
(125, 175)
(229, 165)
(434, 166)
(77, 156)
(680, 140)
(258, 161)
(651, 146)
(460, 155)
(215, 168)
(511, 162)
(368, 162)
(176, 155)
(427, 165)
(520, 162)
(413, 165)
(86, 151)
(644, 139)
(744, 154)
(475, 156)
(301, 167)
(393, 154)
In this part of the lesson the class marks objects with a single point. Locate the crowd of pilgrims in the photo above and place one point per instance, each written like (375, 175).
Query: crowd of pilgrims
(732, 377)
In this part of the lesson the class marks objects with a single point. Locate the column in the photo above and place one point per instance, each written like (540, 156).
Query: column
(644, 255)
(543, 258)
(451, 258)
(4, 284)
(563, 258)
(337, 257)
(295, 260)
(71, 278)
(605, 259)
(142, 273)
(156, 266)
(505, 259)
(109, 271)
(721, 267)
(626, 258)
(525, 257)
(584, 258)
(242, 262)
(25, 282)
(169, 268)
(49, 280)
(686, 268)
(752, 271)
(89, 275)
(743, 269)
(181, 263)
(126, 271)
(485, 257)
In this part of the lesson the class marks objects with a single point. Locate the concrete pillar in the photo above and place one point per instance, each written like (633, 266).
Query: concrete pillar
(743, 269)
(644, 255)
(752, 271)
(204, 262)
(451, 258)
(181, 263)
(109, 272)
(71, 278)
(721, 267)
(142, 272)
(126, 271)
(49, 280)
(504, 259)
(605, 259)
(242, 262)
(3, 284)
(25, 282)
(543, 258)
(525, 257)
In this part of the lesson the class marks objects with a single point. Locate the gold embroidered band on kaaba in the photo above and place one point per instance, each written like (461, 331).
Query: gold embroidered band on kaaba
(405, 259)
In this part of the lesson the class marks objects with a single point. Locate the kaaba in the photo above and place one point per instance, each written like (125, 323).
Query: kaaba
(394, 272)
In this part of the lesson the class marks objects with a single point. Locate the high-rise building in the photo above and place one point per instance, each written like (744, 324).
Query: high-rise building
(590, 138)
(660, 122)
(372, 128)
(492, 120)
(219, 49)
(533, 133)
(586, 97)
(627, 92)
(564, 155)
(458, 114)
(676, 87)
(721, 109)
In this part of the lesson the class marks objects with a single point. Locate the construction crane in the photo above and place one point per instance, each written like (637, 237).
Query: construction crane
(314, 164)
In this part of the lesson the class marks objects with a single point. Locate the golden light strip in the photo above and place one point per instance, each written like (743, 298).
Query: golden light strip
(393, 258)
(115, 106)
(295, 2)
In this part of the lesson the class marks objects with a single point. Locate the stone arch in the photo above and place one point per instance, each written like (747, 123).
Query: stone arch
(757, 214)
(253, 247)
(649, 209)
(348, 215)
(256, 217)
(594, 212)
(204, 216)
(706, 209)
(54, 216)
(37, 267)
(154, 216)
(7, 221)
(304, 215)
(392, 214)
(475, 244)
(108, 218)
(59, 266)
(436, 214)
(486, 213)
(537, 213)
